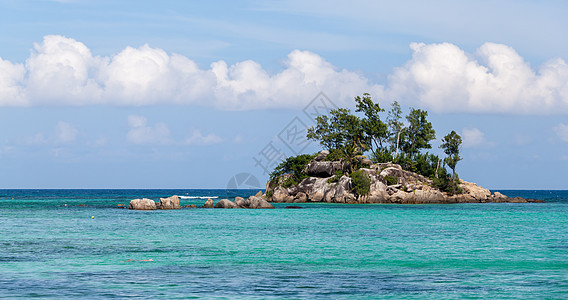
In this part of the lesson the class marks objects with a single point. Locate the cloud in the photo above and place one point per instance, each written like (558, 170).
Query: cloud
(441, 77)
(63, 71)
(198, 139)
(473, 137)
(142, 134)
(494, 79)
(561, 131)
(64, 133)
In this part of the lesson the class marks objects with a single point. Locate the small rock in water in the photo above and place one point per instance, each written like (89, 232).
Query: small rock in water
(208, 203)
(293, 207)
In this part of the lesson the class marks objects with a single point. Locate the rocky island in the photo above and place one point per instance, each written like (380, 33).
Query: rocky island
(388, 183)
(398, 171)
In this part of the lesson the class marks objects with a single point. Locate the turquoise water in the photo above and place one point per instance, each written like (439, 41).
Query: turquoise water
(52, 248)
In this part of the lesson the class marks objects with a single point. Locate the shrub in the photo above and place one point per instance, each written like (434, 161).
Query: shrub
(335, 155)
(361, 183)
(335, 178)
(295, 166)
(288, 182)
(382, 156)
(391, 180)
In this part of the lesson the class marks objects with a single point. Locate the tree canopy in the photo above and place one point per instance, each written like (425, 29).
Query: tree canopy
(347, 135)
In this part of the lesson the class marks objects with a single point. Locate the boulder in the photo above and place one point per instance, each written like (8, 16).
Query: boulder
(478, 193)
(143, 204)
(323, 168)
(225, 203)
(281, 194)
(169, 203)
(240, 201)
(208, 203)
(321, 156)
(255, 202)
(301, 197)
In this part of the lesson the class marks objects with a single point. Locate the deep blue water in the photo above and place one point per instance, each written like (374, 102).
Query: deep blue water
(52, 248)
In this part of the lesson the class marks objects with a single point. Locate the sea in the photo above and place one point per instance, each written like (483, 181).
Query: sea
(81, 244)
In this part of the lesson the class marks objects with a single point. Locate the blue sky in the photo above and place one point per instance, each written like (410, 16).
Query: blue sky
(183, 94)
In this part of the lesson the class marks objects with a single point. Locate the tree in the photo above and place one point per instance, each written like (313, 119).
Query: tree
(341, 131)
(395, 126)
(451, 144)
(419, 132)
(375, 129)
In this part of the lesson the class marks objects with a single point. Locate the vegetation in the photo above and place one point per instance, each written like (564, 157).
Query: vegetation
(361, 183)
(391, 180)
(347, 136)
(293, 165)
(451, 144)
(336, 177)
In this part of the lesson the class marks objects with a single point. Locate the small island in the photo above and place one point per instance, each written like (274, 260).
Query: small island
(397, 170)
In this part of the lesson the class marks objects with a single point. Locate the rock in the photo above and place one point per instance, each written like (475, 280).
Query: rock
(193, 206)
(240, 201)
(120, 206)
(301, 197)
(225, 203)
(293, 207)
(143, 204)
(321, 156)
(323, 168)
(259, 194)
(255, 202)
(208, 203)
(281, 194)
(169, 203)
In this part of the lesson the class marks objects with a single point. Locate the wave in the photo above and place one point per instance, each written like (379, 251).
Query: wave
(198, 197)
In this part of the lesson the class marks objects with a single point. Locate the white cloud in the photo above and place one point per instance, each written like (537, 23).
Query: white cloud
(64, 133)
(473, 137)
(62, 71)
(561, 131)
(495, 79)
(441, 77)
(142, 134)
(199, 139)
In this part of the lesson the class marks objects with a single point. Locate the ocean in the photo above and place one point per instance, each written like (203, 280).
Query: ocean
(79, 244)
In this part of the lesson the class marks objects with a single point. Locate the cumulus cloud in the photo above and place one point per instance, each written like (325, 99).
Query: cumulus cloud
(473, 137)
(494, 79)
(141, 133)
(440, 77)
(198, 139)
(63, 71)
(561, 131)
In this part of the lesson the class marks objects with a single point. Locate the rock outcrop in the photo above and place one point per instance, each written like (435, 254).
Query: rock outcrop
(143, 204)
(225, 203)
(257, 202)
(169, 203)
(208, 203)
(389, 184)
(240, 201)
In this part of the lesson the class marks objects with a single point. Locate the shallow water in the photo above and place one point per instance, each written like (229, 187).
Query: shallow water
(51, 247)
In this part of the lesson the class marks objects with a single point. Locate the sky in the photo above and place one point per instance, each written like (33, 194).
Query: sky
(213, 94)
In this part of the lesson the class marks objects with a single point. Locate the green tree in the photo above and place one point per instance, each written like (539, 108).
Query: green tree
(341, 131)
(293, 165)
(419, 132)
(395, 126)
(451, 144)
(375, 129)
